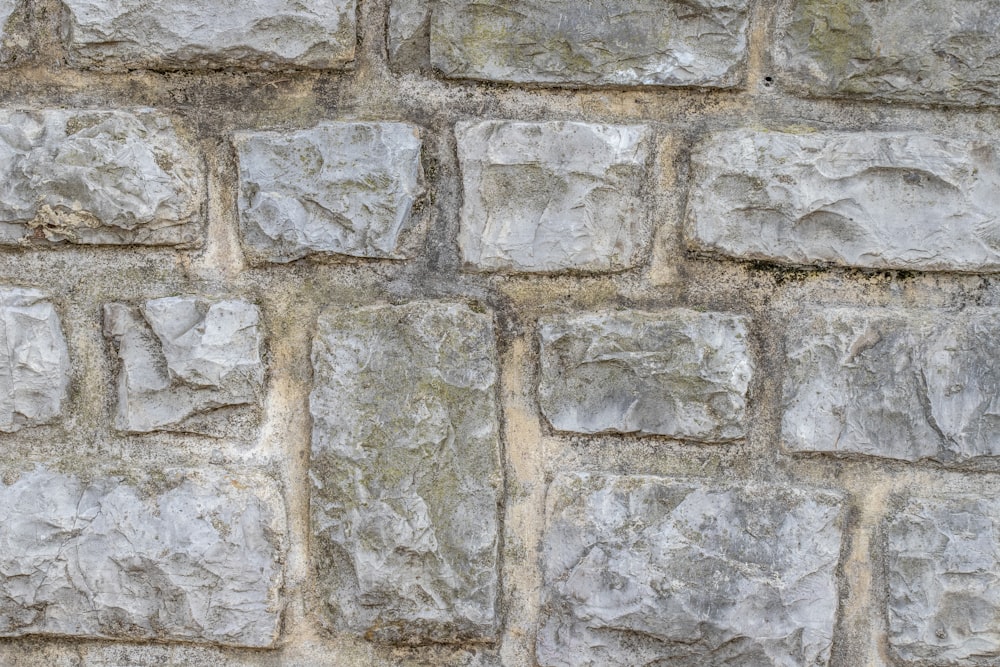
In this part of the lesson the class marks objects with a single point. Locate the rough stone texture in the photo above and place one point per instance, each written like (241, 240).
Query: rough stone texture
(613, 42)
(550, 197)
(406, 472)
(196, 34)
(875, 200)
(923, 51)
(192, 556)
(339, 188)
(184, 359)
(679, 373)
(7, 8)
(643, 570)
(105, 177)
(903, 385)
(943, 557)
(409, 28)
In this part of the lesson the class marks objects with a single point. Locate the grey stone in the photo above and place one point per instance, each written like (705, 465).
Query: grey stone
(868, 199)
(338, 188)
(405, 471)
(409, 32)
(922, 51)
(34, 361)
(106, 177)
(556, 196)
(613, 42)
(942, 561)
(896, 384)
(179, 555)
(183, 358)
(679, 373)
(7, 8)
(198, 34)
(644, 570)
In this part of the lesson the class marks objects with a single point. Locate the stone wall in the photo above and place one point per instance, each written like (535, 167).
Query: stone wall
(533, 332)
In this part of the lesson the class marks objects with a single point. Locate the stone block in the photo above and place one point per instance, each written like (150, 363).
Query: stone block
(406, 472)
(7, 8)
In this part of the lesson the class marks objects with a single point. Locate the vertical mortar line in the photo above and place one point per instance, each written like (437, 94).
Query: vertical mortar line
(761, 29)
(221, 258)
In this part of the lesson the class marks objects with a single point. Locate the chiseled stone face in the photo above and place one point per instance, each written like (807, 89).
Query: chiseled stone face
(181, 555)
(184, 359)
(943, 556)
(868, 199)
(338, 188)
(896, 384)
(555, 196)
(405, 471)
(641, 570)
(195, 34)
(918, 51)
(679, 373)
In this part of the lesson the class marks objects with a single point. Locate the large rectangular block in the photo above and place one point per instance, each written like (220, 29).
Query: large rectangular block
(406, 472)
(880, 200)
(642, 570)
(180, 555)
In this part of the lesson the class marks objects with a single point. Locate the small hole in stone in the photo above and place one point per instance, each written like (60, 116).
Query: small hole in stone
(768, 80)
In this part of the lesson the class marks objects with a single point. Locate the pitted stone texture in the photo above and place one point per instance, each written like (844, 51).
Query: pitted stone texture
(7, 8)
(405, 471)
(943, 559)
(874, 200)
(105, 177)
(551, 197)
(34, 360)
(339, 188)
(923, 51)
(902, 385)
(180, 555)
(679, 373)
(198, 34)
(184, 361)
(613, 42)
(645, 570)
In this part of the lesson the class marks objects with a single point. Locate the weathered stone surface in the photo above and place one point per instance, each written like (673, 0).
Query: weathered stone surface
(549, 197)
(903, 385)
(97, 177)
(338, 188)
(7, 8)
(197, 34)
(614, 42)
(181, 555)
(409, 32)
(943, 559)
(405, 471)
(679, 373)
(645, 570)
(875, 200)
(183, 358)
(923, 51)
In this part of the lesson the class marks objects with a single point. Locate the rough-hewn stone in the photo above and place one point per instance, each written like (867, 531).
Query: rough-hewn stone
(614, 42)
(7, 8)
(923, 51)
(899, 384)
(405, 471)
(645, 570)
(338, 188)
(408, 37)
(97, 177)
(679, 373)
(180, 555)
(942, 561)
(876, 200)
(196, 34)
(556, 196)
(184, 359)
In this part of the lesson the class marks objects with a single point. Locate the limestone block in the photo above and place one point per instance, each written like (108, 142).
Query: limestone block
(180, 555)
(679, 373)
(642, 570)
(199, 34)
(555, 196)
(405, 472)
(106, 177)
(409, 32)
(184, 359)
(338, 188)
(878, 200)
